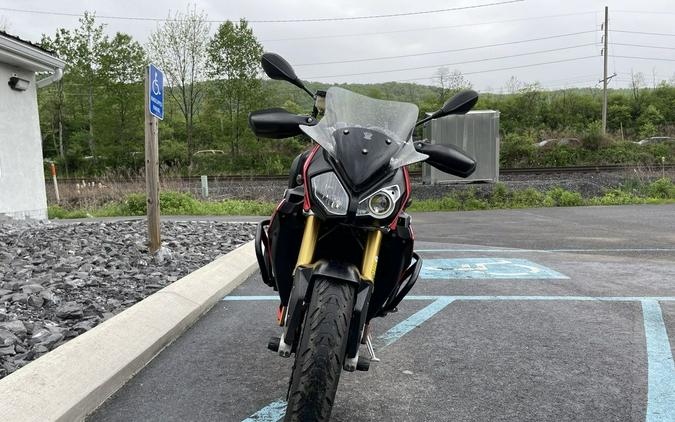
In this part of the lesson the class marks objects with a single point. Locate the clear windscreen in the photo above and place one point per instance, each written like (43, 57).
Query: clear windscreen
(347, 109)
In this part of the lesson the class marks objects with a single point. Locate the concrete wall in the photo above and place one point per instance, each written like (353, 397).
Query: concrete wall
(22, 185)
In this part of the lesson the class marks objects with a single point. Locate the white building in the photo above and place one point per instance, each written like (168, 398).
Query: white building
(22, 181)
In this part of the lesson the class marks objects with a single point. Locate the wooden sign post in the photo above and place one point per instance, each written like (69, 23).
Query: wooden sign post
(153, 109)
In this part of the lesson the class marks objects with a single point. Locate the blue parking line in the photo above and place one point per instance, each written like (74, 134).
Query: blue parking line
(509, 250)
(414, 320)
(276, 410)
(661, 369)
(496, 297)
(244, 298)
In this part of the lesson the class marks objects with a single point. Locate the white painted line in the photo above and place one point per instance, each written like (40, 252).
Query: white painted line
(71, 381)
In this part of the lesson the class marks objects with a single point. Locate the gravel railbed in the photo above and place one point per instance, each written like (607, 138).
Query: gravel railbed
(59, 281)
(589, 184)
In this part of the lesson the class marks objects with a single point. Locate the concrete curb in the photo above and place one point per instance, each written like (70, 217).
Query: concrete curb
(71, 381)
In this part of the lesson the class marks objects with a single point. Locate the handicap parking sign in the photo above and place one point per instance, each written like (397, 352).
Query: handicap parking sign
(156, 91)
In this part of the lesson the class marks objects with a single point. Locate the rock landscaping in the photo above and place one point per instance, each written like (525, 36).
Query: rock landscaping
(58, 281)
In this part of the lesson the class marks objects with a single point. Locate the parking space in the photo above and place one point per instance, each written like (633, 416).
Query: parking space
(494, 331)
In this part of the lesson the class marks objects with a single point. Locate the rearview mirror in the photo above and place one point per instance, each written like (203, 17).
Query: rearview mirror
(276, 67)
(461, 103)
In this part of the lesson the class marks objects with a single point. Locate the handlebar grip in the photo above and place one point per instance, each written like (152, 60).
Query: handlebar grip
(448, 159)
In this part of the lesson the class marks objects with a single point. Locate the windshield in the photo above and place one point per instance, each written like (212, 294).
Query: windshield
(347, 109)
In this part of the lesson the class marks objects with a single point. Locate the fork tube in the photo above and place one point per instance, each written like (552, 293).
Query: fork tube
(308, 244)
(370, 255)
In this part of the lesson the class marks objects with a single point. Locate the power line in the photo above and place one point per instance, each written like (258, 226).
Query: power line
(452, 64)
(510, 67)
(432, 28)
(443, 51)
(644, 58)
(643, 33)
(642, 45)
(643, 12)
(345, 18)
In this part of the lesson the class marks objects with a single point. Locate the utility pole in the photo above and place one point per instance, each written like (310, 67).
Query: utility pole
(604, 76)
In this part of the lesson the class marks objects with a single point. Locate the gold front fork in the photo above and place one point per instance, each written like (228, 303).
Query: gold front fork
(370, 255)
(308, 244)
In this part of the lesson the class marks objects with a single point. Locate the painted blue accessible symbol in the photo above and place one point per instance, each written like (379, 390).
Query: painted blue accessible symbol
(156, 91)
(485, 268)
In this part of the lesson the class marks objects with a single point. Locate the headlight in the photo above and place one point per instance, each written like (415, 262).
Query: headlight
(329, 191)
(381, 203)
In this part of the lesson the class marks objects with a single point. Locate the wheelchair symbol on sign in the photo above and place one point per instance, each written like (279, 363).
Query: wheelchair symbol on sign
(155, 85)
(497, 268)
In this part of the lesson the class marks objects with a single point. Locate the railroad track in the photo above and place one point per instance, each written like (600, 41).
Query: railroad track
(583, 169)
(413, 174)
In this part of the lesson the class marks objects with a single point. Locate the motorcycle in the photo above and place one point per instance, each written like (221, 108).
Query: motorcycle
(339, 246)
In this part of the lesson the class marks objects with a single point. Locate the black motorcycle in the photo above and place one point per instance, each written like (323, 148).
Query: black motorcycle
(339, 246)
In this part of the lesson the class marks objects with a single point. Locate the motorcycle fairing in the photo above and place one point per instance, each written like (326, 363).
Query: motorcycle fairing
(345, 109)
(320, 162)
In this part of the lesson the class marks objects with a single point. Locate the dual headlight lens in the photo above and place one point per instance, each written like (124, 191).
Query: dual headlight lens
(332, 195)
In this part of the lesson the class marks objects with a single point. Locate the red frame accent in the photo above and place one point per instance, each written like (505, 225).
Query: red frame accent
(306, 206)
(406, 176)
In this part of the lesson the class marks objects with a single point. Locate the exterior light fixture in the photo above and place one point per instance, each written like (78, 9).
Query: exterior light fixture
(18, 84)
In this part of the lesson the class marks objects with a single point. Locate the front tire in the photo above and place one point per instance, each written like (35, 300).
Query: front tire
(320, 355)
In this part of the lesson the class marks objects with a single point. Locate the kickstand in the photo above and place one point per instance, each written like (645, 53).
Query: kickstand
(369, 345)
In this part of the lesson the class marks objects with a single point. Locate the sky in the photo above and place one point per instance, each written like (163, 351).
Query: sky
(555, 43)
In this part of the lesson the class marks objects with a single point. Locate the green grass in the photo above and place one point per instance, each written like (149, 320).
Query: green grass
(661, 191)
(171, 203)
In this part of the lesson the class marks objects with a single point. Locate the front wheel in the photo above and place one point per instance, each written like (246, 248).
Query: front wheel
(320, 355)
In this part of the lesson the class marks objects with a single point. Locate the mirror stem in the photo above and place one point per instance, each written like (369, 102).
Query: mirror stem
(307, 91)
(426, 119)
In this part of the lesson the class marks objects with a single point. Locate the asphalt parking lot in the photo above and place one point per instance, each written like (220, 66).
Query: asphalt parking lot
(563, 314)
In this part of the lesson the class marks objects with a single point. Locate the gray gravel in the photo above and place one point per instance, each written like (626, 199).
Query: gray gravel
(59, 281)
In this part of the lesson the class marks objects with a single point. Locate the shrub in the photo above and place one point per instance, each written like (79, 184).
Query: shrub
(516, 150)
(593, 139)
(662, 188)
(475, 204)
(559, 156)
(178, 203)
(134, 204)
(617, 197)
(527, 198)
(563, 198)
(499, 195)
(55, 211)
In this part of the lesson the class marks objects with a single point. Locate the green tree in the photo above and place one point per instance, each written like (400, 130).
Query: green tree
(122, 66)
(178, 46)
(73, 97)
(234, 64)
(85, 51)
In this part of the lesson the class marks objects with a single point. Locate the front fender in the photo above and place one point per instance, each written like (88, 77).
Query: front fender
(337, 270)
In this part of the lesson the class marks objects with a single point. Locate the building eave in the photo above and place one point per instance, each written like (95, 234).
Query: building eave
(24, 55)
